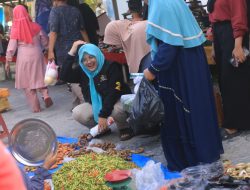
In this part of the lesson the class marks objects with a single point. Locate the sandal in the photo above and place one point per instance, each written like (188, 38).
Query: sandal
(226, 136)
(107, 132)
(48, 102)
(126, 134)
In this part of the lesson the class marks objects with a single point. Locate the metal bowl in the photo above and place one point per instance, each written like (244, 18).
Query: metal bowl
(31, 140)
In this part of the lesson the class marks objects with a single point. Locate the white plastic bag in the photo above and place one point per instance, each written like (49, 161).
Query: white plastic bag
(51, 74)
(127, 101)
(137, 81)
(150, 177)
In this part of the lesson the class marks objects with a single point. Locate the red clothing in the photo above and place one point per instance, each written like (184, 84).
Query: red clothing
(231, 10)
(10, 175)
(23, 29)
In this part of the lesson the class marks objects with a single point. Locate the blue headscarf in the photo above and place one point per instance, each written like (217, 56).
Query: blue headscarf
(172, 22)
(96, 99)
(42, 9)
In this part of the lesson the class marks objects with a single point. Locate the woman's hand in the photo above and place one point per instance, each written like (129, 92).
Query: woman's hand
(7, 68)
(75, 46)
(49, 161)
(51, 55)
(102, 124)
(148, 75)
(238, 52)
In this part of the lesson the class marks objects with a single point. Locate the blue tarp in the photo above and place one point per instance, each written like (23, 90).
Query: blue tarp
(138, 159)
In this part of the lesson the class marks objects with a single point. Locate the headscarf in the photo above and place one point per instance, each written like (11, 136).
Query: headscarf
(96, 98)
(172, 22)
(43, 8)
(23, 29)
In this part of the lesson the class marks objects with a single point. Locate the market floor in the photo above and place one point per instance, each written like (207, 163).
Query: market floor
(59, 118)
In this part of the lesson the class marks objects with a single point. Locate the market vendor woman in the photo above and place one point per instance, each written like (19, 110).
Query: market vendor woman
(102, 86)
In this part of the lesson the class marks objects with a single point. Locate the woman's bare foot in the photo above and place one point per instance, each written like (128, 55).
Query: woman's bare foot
(231, 131)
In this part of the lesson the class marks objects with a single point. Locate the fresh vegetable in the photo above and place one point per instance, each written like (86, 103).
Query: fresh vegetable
(87, 172)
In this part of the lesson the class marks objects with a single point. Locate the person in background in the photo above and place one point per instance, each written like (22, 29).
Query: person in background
(230, 30)
(190, 134)
(102, 86)
(99, 9)
(91, 22)
(66, 26)
(1, 40)
(130, 35)
(30, 41)
(42, 9)
(145, 10)
(10, 175)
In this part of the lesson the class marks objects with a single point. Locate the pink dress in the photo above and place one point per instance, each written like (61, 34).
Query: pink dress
(30, 62)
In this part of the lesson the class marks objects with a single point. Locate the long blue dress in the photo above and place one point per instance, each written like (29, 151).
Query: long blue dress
(190, 134)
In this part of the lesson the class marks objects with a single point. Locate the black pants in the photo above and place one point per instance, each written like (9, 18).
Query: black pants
(234, 82)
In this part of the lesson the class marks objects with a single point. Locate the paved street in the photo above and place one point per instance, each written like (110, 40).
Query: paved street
(59, 118)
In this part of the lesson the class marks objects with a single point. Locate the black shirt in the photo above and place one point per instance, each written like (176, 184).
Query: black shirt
(109, 83)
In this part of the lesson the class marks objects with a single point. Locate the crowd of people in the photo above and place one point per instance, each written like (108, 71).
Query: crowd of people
(162, 40)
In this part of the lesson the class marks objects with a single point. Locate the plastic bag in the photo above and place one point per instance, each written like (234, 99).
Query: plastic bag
(150, 177)
(127, 101)
(147, 110)
(137, 81)
(51, 74)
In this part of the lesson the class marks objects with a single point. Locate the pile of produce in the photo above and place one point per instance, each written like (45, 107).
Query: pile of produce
(87, 172)
(62, 151)
(238, 171)
(108, 147)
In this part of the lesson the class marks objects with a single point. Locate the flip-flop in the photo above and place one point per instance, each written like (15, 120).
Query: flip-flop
(48, 102)
(226, 136)
(126, 134)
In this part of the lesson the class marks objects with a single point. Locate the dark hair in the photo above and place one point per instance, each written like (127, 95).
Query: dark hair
(74, 3)
(210, 5)
(135, 6)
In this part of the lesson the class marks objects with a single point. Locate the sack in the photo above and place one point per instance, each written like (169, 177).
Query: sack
(147, 110)
(51, 74)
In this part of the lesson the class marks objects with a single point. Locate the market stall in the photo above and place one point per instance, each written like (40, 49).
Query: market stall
(101, 165)
(93, 166)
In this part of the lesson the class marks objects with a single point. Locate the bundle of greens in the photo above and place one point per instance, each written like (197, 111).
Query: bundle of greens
(87, 172)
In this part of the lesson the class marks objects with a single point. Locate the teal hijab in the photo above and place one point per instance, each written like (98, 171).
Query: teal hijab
(96, 99)
(172, 22)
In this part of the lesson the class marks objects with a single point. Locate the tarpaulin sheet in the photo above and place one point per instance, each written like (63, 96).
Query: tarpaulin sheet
(138, 159)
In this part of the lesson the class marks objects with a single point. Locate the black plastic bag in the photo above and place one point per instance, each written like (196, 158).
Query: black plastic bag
(147, 111)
